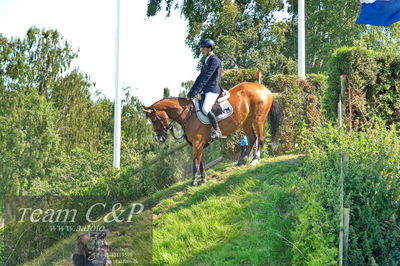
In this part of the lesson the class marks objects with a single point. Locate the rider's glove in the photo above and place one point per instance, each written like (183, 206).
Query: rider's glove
(191, 94)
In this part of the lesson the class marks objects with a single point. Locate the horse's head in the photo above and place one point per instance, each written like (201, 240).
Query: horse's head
(159, 120)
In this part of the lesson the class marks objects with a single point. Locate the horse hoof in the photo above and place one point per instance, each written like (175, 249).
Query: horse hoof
(254, 162)
(203, 180)
(194, 183)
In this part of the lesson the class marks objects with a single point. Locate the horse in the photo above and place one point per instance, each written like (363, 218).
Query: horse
(251, 103)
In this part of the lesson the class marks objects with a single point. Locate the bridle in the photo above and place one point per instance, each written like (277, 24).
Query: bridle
(170, 126)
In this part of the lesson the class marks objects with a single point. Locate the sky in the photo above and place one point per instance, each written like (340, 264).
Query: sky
(153, 54)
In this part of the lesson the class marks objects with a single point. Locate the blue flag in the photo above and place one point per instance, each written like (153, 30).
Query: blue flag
(379, 12)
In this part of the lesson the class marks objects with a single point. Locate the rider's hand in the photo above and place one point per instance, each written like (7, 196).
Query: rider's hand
(190, 94)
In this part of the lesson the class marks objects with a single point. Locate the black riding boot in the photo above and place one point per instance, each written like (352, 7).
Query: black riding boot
(216, 133)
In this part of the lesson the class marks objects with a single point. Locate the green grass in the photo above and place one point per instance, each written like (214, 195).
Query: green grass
(241, 216)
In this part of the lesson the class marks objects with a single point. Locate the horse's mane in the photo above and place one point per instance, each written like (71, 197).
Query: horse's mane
(170, 98)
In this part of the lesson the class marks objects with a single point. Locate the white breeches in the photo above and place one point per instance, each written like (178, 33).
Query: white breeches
(210, 99)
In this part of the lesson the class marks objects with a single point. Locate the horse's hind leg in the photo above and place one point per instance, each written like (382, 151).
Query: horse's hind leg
(251, 137)
(259, 127)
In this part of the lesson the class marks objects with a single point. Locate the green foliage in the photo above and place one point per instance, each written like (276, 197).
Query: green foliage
(29, 142)
(166, 93)
(251, 34)
(293, 118)
(246, 33)
(56, 140)
(232, 77)
(319, 84)
(359, 64)
(186, 86)
(374, 82)
(230, 147)
(137, 133)
(83, 123)
(301, 108)
(159, 175)
(372, 189)
(36, 61)
(330, 25)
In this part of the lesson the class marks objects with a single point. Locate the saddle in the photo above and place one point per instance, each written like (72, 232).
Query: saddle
(216, 109)
(221, 108)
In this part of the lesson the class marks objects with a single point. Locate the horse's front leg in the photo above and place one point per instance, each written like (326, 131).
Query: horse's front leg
(203, 169)
(196, 165)
(197, 158)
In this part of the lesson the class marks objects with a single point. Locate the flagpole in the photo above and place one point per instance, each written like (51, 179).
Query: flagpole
(117, 100)
(301, 42)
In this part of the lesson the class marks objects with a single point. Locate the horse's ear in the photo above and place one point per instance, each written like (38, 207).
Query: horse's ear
(146, 109)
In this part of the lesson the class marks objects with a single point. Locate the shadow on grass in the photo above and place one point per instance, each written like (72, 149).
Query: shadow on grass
(264, 237)
(268, 172)
(228, 179)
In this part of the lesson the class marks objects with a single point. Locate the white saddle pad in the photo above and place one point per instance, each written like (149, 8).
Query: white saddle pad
(226, 107)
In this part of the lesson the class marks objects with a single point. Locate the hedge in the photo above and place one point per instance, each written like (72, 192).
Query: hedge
(372, 192)
(375, 82)
(301, 107)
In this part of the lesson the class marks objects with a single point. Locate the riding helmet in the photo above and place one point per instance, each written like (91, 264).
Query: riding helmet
(207, 43)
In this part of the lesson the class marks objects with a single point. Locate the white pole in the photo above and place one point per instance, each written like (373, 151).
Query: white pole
(117, 100)
(301, 41)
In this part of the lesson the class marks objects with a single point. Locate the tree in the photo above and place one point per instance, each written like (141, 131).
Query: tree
(45, 111)
(137, 133)
(36, 61)
(29, 144)
(331, 24)
(186, 86)
(167, 93)
(246, 33)
(249, 34)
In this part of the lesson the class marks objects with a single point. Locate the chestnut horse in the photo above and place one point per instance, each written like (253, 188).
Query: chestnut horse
(251, 103)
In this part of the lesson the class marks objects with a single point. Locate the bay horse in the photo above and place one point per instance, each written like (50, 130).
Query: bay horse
(251, 103)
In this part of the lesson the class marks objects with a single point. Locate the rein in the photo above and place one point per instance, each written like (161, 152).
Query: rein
(171, 124)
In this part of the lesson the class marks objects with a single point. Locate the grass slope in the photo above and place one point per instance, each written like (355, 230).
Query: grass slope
(242, 215)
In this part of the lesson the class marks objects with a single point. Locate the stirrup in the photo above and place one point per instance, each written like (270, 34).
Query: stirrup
(217, 134)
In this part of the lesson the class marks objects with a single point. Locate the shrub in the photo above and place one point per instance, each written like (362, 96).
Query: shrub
(372, 192)
(301, 106)
(374, 81)
(232, 77)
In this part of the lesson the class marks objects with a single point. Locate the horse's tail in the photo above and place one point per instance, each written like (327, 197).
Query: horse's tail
(274, 118)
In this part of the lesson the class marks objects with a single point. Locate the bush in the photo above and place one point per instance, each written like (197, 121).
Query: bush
(374, 81)
(301, 106)
(372, 192)
(142, 178)
(28, 140)
(232, 77)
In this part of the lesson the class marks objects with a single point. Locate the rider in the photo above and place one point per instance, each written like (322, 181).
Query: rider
(209, 83)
